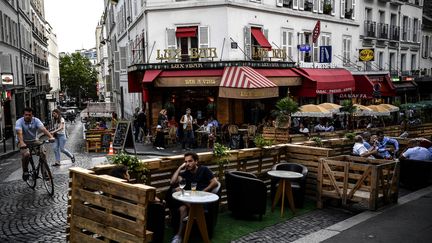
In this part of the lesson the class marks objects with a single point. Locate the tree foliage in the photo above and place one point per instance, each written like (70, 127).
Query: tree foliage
(77, 76)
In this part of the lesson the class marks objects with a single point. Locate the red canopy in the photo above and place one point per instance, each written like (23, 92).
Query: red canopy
(182, 32)
(150, 75)
(260, 38)
(325, 81)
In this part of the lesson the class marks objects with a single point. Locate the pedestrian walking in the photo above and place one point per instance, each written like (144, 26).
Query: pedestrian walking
(59, 134)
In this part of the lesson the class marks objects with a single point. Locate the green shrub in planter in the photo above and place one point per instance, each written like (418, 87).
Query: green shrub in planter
(317, 140)
(261, 142)
(136, 169)
(350, 135)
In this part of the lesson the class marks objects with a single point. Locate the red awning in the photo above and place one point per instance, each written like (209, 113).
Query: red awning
(246, 83)
(363, 88)
(387, 88)
(260, 38)
(150, 75)
(183, 32)
(244, 77)
(325, 81)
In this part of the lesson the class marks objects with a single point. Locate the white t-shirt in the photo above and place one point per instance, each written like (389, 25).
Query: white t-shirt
(57, 126)
(359, 149)
(304, 130)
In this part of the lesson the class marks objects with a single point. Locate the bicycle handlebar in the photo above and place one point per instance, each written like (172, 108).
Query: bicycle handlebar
(31, 146)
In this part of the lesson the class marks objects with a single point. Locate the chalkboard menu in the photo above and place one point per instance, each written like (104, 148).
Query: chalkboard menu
(123, 136)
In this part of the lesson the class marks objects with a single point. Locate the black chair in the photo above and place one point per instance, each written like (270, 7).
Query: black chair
(211, 211)
(415, 174)
(298, 185)
(156, 221)
(246, 194)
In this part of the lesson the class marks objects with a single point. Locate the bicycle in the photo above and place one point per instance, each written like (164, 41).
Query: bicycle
(42, 167)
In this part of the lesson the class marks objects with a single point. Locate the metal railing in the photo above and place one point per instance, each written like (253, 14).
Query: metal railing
(394, 32)
(383, 31)
(370, 29)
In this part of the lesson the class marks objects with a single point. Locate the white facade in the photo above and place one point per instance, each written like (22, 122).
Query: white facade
(426, 48)
(53, 62)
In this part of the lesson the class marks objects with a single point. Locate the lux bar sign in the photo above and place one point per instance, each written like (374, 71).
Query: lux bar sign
(169, 54)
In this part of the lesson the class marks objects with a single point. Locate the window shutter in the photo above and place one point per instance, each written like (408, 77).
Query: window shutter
(247, 42)
(203, 38)
(321, 6)
(423, 46)
(353, 3)
(116, 61)
(295, 4)
(342, 8)
(315, 6)
(333, 7)
(290, 46)
(171, 38)
(123, 57)
(301, 4)
(279, 3)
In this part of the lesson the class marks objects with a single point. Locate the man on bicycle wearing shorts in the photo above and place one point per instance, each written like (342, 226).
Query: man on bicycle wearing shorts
(27, 128)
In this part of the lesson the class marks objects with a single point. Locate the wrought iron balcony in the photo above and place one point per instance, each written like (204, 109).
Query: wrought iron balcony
(383, 31)
(394, 32)
(370, 29)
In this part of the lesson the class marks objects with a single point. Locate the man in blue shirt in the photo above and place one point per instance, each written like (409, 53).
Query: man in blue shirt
(27, 128)
(416, 152)
(382, 143)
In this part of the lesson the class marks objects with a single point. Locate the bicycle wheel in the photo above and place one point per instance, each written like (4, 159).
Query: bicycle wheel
(31, 180)
(47, 178)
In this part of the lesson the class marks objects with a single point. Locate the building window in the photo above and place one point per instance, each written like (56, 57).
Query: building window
(413, 62)
(381, 60)
(392, 62)
(324, 40)
(304, 38)
(288, 43)
(416, 30)
(425, 46)
(185, 38)
(403, 63)
(346, 50)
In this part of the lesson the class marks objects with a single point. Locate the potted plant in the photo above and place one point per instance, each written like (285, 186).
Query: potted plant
(350, 135)
(348, 107)
(221, 154)
(327, 8)
(317, 140)
(285, 107)
(137, 170)
(261, 142)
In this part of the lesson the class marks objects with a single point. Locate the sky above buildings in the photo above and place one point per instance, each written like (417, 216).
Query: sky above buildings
(74, 22)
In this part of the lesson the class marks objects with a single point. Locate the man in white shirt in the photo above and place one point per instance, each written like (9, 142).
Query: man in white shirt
(415, 152)
(360, 150)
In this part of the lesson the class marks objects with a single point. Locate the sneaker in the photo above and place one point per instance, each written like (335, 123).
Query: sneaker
(25, 176)
(73, 158)
(176, 239)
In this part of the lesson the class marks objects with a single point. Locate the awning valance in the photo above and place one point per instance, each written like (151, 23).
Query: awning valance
(150, 75)
(260, 38)
(325, 81)
(189, 78)
(386, 86)
(246, 83)
(184, 32)
(281, 77)
(363, 88)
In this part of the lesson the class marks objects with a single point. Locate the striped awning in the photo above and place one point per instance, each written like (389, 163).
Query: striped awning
(246, 83)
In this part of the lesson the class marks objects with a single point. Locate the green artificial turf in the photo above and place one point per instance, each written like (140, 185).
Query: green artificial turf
(229, 228)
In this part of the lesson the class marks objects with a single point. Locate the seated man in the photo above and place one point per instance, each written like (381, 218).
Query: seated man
(360, 150)
(416, 152)
(382, 143)
(193, 173)
(319, 127)
(366, 138)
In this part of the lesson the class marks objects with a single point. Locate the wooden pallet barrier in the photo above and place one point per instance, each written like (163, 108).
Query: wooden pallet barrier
(105, 209)
(357, 179)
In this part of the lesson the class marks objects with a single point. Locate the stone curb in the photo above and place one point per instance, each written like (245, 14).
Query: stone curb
(335, 229)
(8, 154)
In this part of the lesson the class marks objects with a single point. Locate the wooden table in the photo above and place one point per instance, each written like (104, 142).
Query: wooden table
(284, 188)
(196, 200)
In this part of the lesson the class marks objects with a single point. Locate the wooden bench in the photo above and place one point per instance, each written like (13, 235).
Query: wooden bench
(104, 208)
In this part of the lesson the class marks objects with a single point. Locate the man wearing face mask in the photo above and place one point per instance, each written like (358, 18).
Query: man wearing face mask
(27, 128)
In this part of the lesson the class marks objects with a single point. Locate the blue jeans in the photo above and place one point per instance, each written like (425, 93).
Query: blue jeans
(59, 147)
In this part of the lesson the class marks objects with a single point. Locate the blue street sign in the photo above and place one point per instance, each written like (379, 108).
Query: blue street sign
(325, 54)
(304, 47)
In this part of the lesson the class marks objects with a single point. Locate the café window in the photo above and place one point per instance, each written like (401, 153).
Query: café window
(304, 40)
(186, 39)
(256, 43)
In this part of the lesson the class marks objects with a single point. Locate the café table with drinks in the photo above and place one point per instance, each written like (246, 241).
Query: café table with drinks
(196, 199)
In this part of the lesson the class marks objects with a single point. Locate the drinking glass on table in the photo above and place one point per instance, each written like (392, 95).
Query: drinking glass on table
(182, 184)
(193, 186)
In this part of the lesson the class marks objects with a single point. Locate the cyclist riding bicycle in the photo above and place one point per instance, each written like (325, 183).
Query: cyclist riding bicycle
(27, 128)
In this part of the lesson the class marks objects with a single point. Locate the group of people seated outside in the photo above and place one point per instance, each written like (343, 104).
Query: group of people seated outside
(381, 147)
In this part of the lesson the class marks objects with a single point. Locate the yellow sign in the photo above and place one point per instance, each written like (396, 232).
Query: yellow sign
(366, 55)
(263, 52)
(169, 54)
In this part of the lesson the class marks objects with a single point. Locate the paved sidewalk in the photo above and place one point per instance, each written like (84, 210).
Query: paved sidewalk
(407, 221)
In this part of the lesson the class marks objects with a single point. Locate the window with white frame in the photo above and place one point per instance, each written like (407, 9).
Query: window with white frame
(403, 62)
(381, 60)
(324, 40)
(415, 30)
(187, 37)
(304, 38)
(405, 22)
(413, 62)
(425, 46)
(392, 63)
(346, 50)
(288, 43)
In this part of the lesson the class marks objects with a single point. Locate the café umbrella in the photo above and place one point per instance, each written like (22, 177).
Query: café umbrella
(363, 110)
(312, 111)
(379, 110)
(331, 107)
(389, 107)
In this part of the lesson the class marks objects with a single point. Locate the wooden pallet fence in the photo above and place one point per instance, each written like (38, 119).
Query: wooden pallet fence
(278, 135)
(103, 208)
(357, 179)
